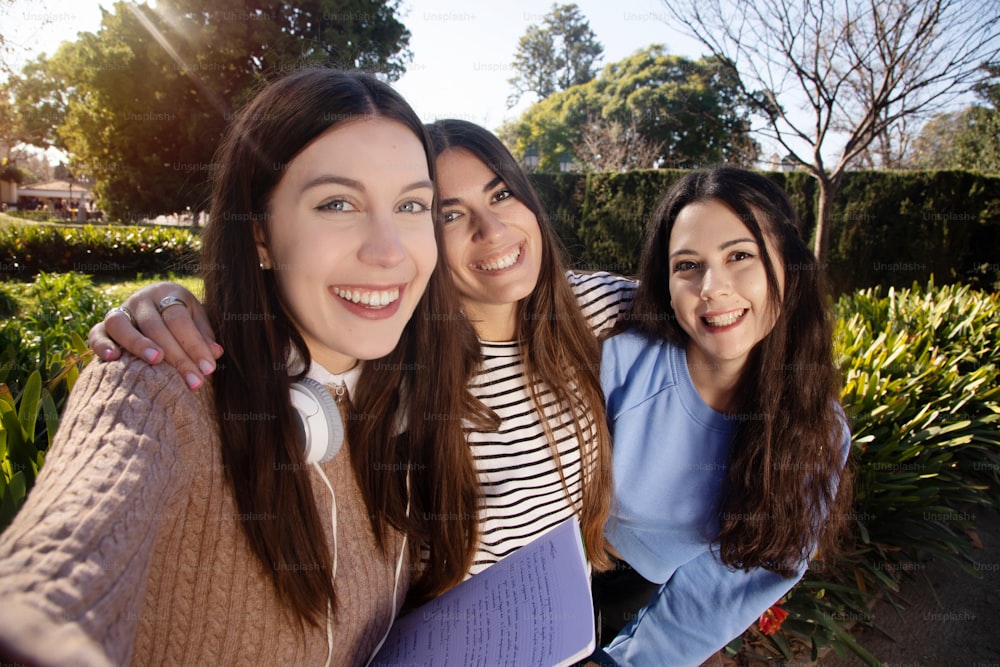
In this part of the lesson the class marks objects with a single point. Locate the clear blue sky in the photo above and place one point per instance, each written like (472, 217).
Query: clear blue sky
(462, 52)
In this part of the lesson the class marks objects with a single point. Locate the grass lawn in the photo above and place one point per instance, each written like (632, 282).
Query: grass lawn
(118, 290)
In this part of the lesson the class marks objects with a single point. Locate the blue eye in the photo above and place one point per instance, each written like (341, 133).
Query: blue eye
(414, 206)
(336, 205)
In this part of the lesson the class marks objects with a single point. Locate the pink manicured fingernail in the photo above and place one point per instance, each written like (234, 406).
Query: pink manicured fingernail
(193, 381)
(150, 354)
(206, 367)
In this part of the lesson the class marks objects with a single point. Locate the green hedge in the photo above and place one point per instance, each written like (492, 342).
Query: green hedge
(32, 216)
(887, 228)
(894, 228)
(26, 250)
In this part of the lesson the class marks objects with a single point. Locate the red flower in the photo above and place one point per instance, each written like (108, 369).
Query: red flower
(770, 621)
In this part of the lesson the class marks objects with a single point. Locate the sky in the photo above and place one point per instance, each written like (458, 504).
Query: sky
(462, 52)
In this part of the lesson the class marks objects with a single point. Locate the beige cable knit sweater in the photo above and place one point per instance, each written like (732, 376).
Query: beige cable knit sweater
(129, 548)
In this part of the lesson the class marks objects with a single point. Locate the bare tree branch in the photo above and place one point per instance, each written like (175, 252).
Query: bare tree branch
(613, 146)
(842, 75)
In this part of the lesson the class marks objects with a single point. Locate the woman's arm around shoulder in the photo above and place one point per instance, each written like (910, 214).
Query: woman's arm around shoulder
(602, 296)
(160, 322)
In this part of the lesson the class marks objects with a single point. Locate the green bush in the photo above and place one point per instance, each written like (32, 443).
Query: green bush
(22, 443)
(616, 211)
(921, 390)
(560, 195)
(42, 351)
(54, 309)
(26, 250)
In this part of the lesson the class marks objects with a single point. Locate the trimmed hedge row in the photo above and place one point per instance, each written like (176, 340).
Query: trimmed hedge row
(27, 250)
(887, 228)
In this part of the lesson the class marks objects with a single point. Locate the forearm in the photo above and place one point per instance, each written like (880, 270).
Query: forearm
(702, 608)
(78, 552)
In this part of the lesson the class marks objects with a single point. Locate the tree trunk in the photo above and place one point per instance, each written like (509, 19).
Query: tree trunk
(828, 188)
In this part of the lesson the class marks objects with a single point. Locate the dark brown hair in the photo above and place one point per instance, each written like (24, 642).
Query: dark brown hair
(788, 465)
(559, 349)
(260, 449)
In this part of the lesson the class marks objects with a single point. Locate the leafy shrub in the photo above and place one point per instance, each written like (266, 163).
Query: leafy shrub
(921, 389)
(22, 444)
(57, 307)
(26, 250)
(894, 228)
(42, 350)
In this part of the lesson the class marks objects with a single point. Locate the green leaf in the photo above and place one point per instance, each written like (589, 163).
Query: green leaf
(28, 410)
(51, 413)
(13, 498)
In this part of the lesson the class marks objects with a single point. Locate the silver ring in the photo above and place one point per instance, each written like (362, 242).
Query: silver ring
(127, 313)
(168, 301)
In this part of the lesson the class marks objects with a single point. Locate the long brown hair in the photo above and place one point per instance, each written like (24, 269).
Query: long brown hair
(559, 349)
(264, 461)
(785, 469)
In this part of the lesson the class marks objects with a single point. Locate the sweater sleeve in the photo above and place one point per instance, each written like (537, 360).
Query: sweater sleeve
(700, 609)
(74, 562)
(703, 604)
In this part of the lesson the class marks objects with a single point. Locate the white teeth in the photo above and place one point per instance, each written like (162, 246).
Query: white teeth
(501, 263)
(725, 319)
(372, 299)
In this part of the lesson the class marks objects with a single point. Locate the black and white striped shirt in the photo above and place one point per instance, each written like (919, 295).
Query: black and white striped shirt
(523, 495)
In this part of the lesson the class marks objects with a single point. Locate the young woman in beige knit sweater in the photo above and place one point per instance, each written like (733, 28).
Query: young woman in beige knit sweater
(178, 527)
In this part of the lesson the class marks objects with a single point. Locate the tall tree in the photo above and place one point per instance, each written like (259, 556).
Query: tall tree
(146, 98)
(692, 112)
(38, 99)
(843, 71)
(561, 53)
(965, 139)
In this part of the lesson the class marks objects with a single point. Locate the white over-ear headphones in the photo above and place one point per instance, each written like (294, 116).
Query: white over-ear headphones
(322, 431)
(319, 420)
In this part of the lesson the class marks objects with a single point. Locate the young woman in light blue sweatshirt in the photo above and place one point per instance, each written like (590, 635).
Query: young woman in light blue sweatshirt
(729, 442)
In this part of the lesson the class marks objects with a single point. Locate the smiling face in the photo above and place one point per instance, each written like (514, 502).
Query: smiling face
(492, 242)
(718, 285)
(350, 239)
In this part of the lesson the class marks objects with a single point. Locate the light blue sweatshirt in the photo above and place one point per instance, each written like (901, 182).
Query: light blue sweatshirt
(670, 456)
